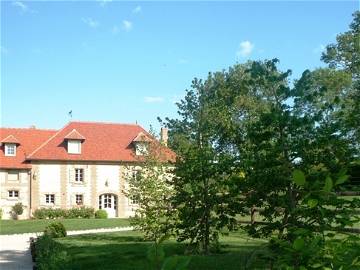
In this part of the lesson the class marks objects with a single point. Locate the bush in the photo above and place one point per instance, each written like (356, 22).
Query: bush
(50, 213)
(1, 212)
(55, 230)
(17, 210)
(100, 214)
(82, 212)
(49, 255)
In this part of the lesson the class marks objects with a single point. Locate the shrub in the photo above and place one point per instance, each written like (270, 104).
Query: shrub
(100, 214)
(55, 230)
(1, 212)
(49, 255)
(82, 212)
(17, 210)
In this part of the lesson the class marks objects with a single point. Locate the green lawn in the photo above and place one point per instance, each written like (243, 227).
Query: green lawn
(127, 250)
(38, 225)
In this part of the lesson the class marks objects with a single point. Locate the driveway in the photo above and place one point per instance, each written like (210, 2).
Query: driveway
(15, 250)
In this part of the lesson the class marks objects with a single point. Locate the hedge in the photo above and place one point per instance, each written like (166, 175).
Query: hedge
(53, 213)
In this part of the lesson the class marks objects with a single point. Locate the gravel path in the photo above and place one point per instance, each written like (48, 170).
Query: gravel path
(15, 251)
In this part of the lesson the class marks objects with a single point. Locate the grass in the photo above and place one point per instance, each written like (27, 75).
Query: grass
(38, 225)
(127, 250)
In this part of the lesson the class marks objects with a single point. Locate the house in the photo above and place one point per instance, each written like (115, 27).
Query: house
(82, 164)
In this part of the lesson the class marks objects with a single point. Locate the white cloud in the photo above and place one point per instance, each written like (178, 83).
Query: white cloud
(103, 3)
(127, 25)
(137, 10)
(319, 49)
(90, 22)
(154, 99)
(245, 49)
(20, 5)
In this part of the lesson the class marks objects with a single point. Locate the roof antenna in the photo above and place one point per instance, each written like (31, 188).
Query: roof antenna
(70, 114)
(136, 122)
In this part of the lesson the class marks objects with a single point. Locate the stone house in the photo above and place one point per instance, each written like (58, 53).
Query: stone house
(82, 164)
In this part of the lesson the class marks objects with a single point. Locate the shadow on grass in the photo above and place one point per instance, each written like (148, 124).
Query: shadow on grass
(128, 251)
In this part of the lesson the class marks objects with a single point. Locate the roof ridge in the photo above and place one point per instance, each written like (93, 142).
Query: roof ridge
(105, 123)
(30, 128)
(48, 140)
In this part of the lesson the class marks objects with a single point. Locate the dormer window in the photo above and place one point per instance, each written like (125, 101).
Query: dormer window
(10, 149)
(74, 140)
(74, 147)
(141, 143)
(10, 143)
(141, 148)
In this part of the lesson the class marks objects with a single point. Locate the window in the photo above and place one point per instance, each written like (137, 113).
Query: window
(74, 147)
(13, 194)
(141, 148)
(50, 198)
(79, 175)
(133, 200)
(13, 176)
(79, 199)
(10, 149)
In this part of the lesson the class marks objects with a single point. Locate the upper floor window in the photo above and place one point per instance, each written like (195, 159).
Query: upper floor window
(79, 175)
(13, 194)
(74, 146)
(141, 148)
(13, 176)
(10, 149)
(50, 198)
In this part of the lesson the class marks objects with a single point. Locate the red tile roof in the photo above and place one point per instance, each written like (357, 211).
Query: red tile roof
(141, 137)
(10, 139)
(104, 142)
(29, 139)
(74, 135)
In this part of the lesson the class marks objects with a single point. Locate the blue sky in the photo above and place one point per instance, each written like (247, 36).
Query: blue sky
(130, 61)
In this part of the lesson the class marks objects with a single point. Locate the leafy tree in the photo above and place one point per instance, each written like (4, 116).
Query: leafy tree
(201, 191)
(345, 55)
(150, 191)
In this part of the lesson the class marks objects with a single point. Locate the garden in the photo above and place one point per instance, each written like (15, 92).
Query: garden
(266, 177)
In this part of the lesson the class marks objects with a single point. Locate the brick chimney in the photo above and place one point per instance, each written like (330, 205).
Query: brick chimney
(164, 136)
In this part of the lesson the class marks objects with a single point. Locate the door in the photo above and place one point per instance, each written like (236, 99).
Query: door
(108, 202)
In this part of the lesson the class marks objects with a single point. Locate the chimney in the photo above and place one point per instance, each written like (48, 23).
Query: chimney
(164, 136)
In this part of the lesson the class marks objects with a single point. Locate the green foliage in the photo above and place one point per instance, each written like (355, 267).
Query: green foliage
(149, 188)
(1, 213)
(55, 230)
(101, 214)
(17, 210)
(80, 212)
(54, 213)
(50, 255)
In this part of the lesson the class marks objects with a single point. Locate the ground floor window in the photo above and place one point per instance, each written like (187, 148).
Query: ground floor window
(13, 194)
(79, 199)
(50, 198)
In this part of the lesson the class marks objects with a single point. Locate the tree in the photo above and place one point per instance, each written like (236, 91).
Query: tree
(201, 192)
(345, 55)
(150, 191)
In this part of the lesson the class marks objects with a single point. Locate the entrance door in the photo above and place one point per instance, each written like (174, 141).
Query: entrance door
(108, 202)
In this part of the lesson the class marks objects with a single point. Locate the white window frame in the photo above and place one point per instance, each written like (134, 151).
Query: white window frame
(10, 149)
(79, 175)
(13, 194)
(141, 148)
(50, 198)
(74, 146)
(79, 199)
